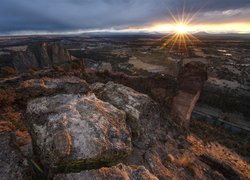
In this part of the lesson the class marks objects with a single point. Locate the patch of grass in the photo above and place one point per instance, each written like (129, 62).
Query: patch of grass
(7, 96)
(185, 160)
(209, 133)
(7, 71)
(10, 118)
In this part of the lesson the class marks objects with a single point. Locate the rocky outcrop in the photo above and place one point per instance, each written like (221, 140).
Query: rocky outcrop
(73, 132)
(51, 86)
(119, 171)
(191, 80)
(12, 164)
(142, 112)
(76, 135)
(37, 56)
(49, 53)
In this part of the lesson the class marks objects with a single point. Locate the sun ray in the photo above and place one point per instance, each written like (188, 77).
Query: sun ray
(181, 38)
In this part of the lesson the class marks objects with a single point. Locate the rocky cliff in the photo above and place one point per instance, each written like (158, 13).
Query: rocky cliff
(37, 56)
(191, 80)
(97, 126)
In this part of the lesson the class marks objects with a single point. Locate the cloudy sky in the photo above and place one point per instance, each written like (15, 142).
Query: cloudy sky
(62, 16)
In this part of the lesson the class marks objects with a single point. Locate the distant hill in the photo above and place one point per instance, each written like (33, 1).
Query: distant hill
(231, 35)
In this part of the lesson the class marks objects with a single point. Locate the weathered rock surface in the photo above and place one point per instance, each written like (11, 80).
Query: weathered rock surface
(142, 112)
(73, 131)
(12, 164)
(191, 79)
(119, 171)
(49, 86)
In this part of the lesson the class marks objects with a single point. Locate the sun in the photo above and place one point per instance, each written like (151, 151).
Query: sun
(181, 28)
(179, 35)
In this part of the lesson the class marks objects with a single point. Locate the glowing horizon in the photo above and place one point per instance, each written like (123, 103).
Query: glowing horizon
(161, 27)
(234, 27)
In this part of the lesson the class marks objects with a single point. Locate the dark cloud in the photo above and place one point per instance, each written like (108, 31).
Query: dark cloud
(70, 15)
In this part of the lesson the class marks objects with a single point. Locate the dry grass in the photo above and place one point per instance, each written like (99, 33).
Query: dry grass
(10, 118)
(7, 97)
(209, 133)
(184, 160)
(220, 153)
(7, 71)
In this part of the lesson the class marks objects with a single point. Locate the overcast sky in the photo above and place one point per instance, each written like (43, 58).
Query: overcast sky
(73, 15)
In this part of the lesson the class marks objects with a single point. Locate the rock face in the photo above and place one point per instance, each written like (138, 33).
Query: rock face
(191, 80)
(48, 54)
(12, 164)
(49, 86)
(142, 112)
(72, 131)
(23, 61)
(39, 55)
(116, 172)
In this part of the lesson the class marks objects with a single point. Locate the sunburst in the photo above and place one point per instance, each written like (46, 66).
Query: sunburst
(181, 36)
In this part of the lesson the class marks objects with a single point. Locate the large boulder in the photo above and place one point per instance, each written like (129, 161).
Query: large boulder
(71, 132)
(12, 164)
(50, 86)
(120, 171)
(142, 112)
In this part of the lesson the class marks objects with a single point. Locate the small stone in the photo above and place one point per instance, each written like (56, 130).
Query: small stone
(170, 158)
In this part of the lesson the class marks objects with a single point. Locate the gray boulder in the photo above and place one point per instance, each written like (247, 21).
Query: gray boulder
(77, 131)
(120, 171)
(143, 114)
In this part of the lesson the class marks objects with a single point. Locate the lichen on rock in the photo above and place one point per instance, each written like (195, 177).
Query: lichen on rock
(69, 128)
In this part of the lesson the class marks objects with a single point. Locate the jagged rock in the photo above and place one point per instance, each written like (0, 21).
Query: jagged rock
(49, 86)
(12, 164)
(116, 172)
(49, 53)
(74, 131)
(142, 112)
(57, 53)
(37, 55)
(191, 79)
